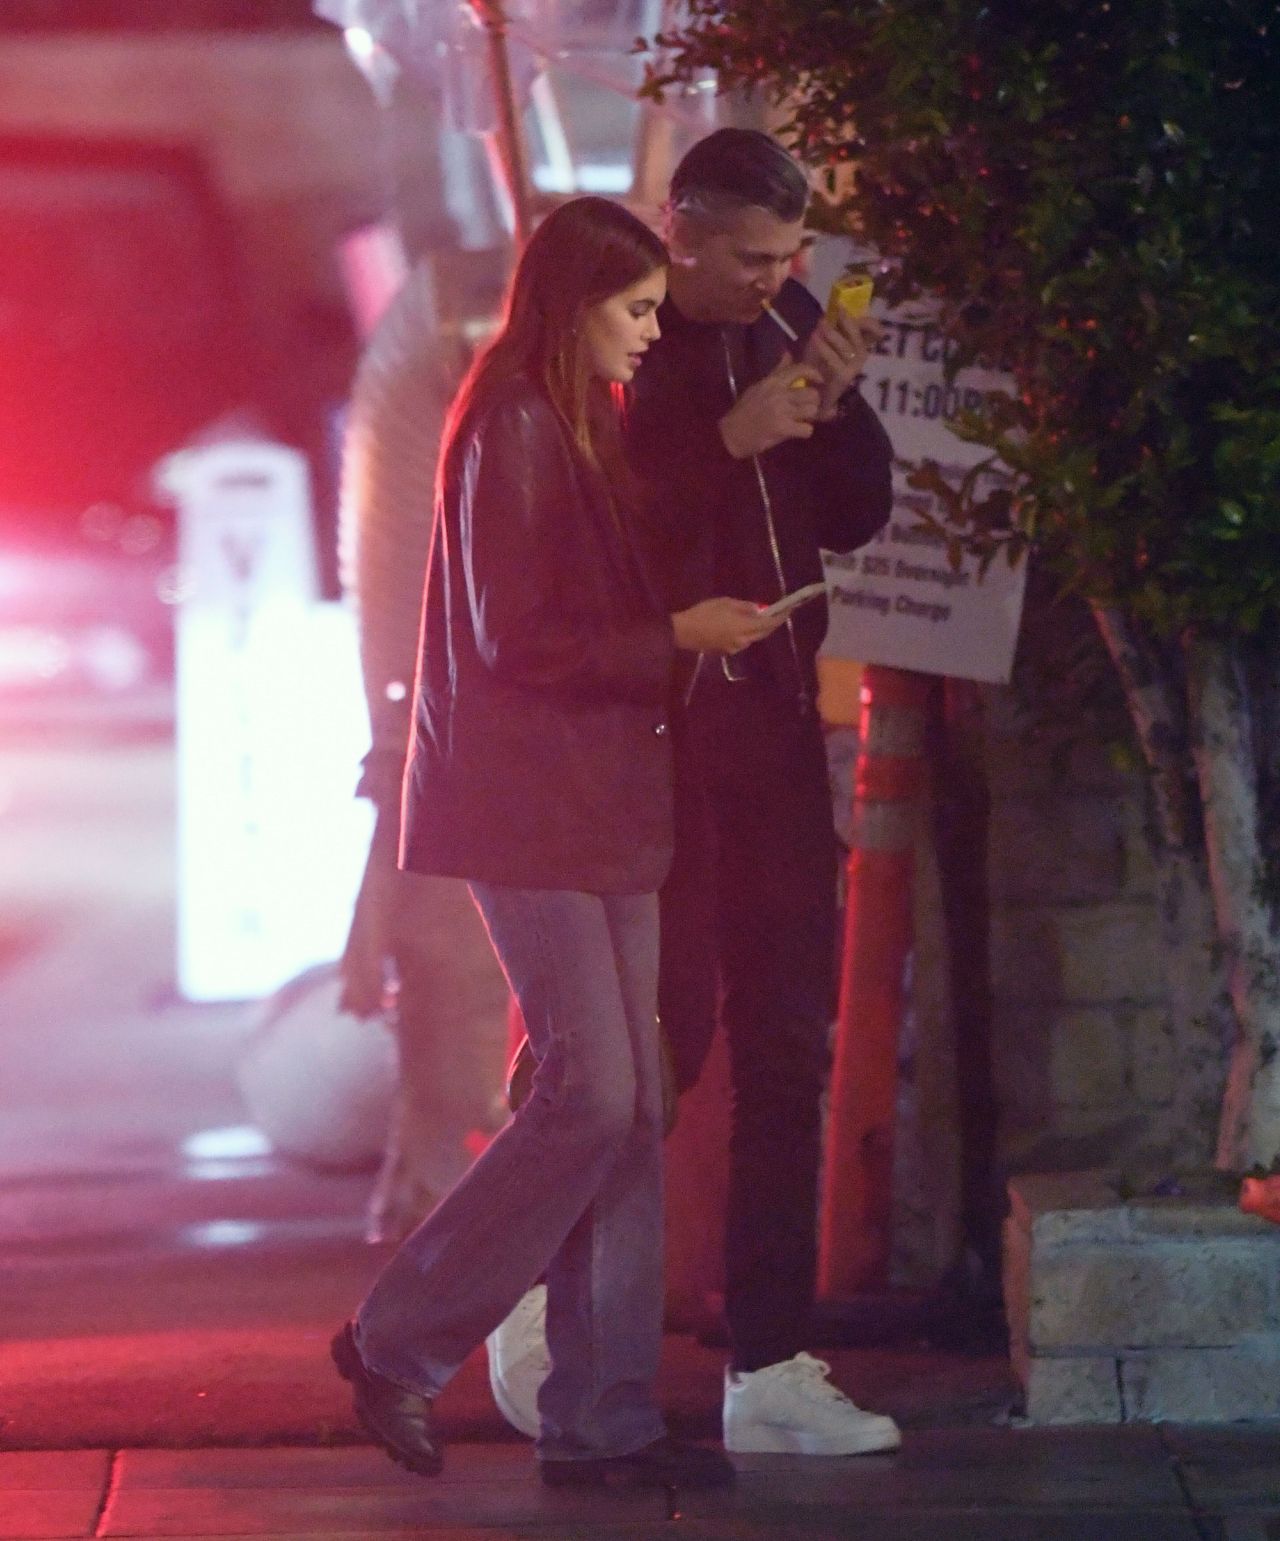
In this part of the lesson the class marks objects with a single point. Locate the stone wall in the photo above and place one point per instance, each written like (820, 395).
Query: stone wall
(1109, 1014)
(1129, 1309)
(1082, 1030)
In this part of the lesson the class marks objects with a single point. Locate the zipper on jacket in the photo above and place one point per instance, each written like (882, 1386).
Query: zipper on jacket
(767, 503)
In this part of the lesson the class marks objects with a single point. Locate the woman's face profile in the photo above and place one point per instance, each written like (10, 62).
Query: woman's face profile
(617, 331)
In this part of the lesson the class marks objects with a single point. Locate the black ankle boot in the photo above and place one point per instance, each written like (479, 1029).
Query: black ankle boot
(397, 1420)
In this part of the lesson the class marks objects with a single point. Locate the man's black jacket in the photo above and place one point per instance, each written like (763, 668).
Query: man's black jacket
(708, 529)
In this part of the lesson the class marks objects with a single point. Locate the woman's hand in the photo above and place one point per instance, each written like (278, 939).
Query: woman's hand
(722, 626)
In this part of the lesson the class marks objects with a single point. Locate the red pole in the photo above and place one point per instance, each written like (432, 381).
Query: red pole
(857, 1187)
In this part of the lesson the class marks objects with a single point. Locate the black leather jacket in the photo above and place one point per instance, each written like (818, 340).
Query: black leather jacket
(751, 528)
(540, 756)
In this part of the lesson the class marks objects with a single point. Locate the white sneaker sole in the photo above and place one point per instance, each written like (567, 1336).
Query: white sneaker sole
(510, 1409)
(777, 1439)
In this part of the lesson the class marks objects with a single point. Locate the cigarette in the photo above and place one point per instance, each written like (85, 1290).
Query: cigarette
(785, 327)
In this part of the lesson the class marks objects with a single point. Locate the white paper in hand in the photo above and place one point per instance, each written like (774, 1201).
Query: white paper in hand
(793, 601)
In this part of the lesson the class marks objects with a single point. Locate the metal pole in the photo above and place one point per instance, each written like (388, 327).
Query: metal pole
(510, 137)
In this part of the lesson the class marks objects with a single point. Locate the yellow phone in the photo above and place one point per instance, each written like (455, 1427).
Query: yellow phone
(850, 295)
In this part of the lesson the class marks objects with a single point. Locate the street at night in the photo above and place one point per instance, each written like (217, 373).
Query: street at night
(639, 770)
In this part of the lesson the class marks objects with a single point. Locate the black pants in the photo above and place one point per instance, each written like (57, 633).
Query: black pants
(748, 923)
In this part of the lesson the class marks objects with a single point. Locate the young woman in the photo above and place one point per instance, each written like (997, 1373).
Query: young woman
(540, 771)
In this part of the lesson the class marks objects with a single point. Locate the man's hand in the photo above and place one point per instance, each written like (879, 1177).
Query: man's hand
(781, 406)
(837, 354)
(722, 626)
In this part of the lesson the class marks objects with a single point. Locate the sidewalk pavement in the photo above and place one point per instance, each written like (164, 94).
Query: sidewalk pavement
(167, 1313)
(958, 1484)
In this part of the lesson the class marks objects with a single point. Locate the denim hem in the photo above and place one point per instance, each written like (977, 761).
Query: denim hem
(396, 1380)
(609, 1455)
(513, 1181)
(589, 974)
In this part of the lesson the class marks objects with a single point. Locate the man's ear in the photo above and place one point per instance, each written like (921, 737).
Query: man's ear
(686, 234)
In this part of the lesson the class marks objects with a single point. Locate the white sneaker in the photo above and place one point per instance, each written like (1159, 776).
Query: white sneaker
(519, 1361)
(792, 1408)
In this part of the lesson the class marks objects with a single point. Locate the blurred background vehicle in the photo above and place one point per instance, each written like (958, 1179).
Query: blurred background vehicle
(125, 334)
(120, 337)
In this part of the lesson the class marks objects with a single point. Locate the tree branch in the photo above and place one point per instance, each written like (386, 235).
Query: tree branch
(1223, 746)
(1159, 719)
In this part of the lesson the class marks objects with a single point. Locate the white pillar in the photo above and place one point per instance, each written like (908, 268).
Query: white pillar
(271, 726)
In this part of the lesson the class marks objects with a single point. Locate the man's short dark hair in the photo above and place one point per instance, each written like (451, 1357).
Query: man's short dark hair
(738, 168)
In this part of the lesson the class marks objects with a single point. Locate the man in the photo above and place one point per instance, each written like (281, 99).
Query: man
(758, 451)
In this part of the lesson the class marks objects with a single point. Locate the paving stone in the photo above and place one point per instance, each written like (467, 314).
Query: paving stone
(1025, 955)
(818, 1523)
(1218, 1219)
(1181, 1294)
(1109, 952)
(1240, 1527)
(155, 1512)
(1086, 1056)
(1229, 1468)
(1102, 953)
(343, 1466)
(1039, 1449)
(1204, 1385)
(992, 1470)
(1224, 1444)
(946, 1485)
(950, 1484)
(1069, 849)
(944, 1525)
(1060, 1208)
(52, 1471)
(32, 1515)
(1054, 1208)
(1204, 1293)
(602, 1530)
(836, 1525)
(54, 1493)
(1073, 1389)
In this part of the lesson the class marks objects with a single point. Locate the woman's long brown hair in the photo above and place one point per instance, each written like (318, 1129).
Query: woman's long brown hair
(585, 251)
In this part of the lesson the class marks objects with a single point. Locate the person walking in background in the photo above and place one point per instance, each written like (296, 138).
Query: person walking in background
(757, 451)
(540, 771)
(414, 938)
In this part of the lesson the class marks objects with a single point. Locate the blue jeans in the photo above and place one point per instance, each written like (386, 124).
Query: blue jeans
(571, 1187)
